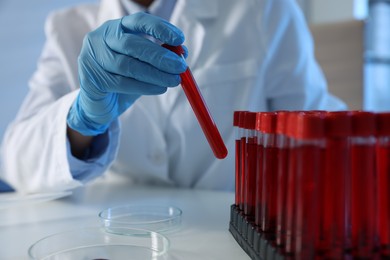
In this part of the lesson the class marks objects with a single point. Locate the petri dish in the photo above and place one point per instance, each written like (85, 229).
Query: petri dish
(161, 219)
(95, 243)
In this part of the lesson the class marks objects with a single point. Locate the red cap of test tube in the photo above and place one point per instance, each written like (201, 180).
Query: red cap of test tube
(268, 122)
(310, 125)
(291, 124)
(236, 118)
(338, 124)
(250, 120)
(281, 122)
(363, 123)
(383, 124)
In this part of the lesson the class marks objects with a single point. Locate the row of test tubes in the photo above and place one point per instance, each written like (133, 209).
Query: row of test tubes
(316, 184)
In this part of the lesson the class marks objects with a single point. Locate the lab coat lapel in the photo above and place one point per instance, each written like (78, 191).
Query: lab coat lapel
(188, 16)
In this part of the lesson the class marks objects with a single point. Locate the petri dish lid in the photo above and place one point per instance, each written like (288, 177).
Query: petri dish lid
(95, 243)
(161, 219)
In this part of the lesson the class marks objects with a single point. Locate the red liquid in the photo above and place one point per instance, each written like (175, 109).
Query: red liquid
(309, 164)
(238, 173)
(281, 205)
(383, 164)
(259, 184)
(270, 169)
(290, 202)
(200, 109)
(243, 172)
(250, 180)
(363, 209)
(206, 122)
(333, 189)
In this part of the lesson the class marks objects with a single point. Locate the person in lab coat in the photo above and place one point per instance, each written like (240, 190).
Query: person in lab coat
(245, 55)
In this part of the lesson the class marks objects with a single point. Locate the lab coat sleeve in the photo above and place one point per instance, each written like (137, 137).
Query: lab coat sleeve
(293, 79)
(35, 155)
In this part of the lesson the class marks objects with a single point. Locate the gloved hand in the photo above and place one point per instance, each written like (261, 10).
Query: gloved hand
(117, 65)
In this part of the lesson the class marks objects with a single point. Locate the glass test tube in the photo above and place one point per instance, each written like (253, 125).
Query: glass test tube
(310, 145)
(363, 189)
(259, 171)
(200, 109)
(243, 134)
(250, 165)
(383, 181)
(281, 205)
(236, 118)
(334, 186)
(269, 180)
(289, 246)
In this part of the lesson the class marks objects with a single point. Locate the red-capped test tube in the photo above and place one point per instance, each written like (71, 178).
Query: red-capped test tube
(363, 189)
(200, 109)
(238, 169)
(290, 218)
(243, 134)
(334, 186)
(282, 144)
(250, 165)
(259, 172)
(270, 169)
(310, 147)
(383, 181)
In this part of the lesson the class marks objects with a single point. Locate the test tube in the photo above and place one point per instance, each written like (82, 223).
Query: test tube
(383, 181)
(200, 109)
(259, 172)
(269, 180)
(238, 173)
(282, 143)
(334, 186)
(310, 146)
(289, 246)
(363, 188)
(243, 134)
(250, 166)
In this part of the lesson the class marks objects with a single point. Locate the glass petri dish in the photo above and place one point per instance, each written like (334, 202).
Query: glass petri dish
(161, 219)
(97, 244)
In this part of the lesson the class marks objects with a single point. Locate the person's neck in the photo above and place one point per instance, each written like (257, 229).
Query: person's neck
(145, 3)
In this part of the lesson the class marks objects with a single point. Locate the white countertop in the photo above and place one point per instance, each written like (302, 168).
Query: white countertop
(204, 232)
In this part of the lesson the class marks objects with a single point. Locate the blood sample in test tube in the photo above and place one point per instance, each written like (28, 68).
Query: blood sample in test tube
(250, 165)
(383, 181)
(334, 186)
(282, 143)
(200, 109)
(290, 226)
(269, 181)
(259, 172)
(363, 185)
(243, 134)
(310, 147)
(238, 135)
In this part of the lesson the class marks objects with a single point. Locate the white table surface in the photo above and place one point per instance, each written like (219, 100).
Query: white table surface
(204, 232)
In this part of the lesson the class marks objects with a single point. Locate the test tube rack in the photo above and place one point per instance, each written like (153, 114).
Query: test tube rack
(333, 202)
(252, 241)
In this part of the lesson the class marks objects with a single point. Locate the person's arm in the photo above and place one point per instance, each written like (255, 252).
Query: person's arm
(79, 143)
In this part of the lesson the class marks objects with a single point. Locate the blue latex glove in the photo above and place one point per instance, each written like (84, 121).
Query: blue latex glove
(117, 65)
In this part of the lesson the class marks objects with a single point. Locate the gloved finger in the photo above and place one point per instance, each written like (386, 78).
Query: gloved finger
(146, 51)
(153, 26)
(185, 54)
(130, 67)
(125, 85)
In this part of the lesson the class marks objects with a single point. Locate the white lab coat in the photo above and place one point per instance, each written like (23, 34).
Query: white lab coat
(245, 55)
